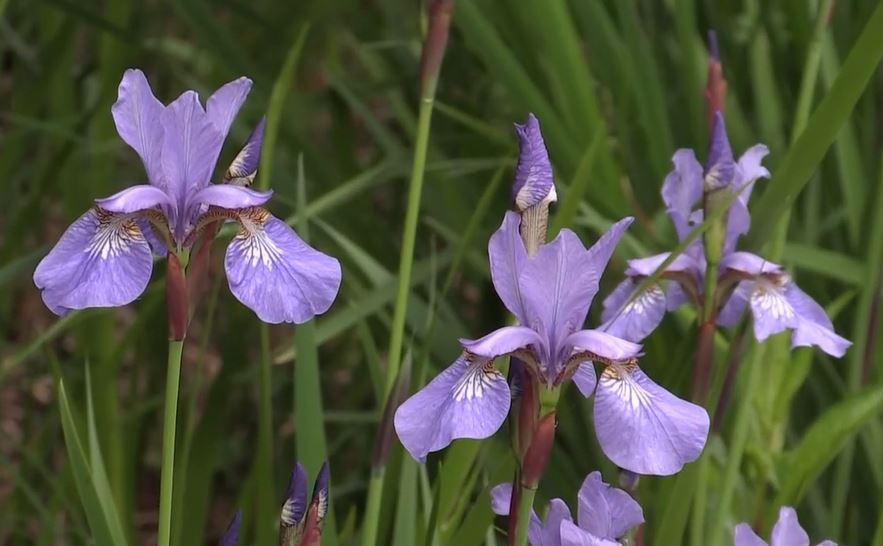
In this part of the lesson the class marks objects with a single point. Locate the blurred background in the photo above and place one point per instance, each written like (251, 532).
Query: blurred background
(617, 86)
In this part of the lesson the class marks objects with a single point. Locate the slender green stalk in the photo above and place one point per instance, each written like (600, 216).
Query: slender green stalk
(173, 378)
(525, 506)
(266, 509)
(372, 508)
(408, 241)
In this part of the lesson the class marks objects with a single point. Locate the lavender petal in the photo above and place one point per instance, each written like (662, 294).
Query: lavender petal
(295, 508)
(507, 257)
(605, 511)
(571, 535)
(720, 168)
(273, 272)
(101, 260)
(228, 196)
(743, 535)
(136, 114)
(602, 344)
(682, 189)
(222, 107)
(502, 342)
(244, 168)
(644, 428)
(585, 379)
(633, 320)
(814, 326)
(787, 530)
(135, 198)
(466, 400)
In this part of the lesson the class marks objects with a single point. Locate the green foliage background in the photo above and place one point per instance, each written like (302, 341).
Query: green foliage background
(617, 86)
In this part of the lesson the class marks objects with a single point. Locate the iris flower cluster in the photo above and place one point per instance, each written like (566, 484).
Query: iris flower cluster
(605, 514)
(744, 280)
(105, 257)
(548, 289)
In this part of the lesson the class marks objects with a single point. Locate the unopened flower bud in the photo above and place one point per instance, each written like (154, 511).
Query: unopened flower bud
(533, 189)
(537, 456)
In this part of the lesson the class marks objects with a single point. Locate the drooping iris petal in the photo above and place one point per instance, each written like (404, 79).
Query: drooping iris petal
(469, 399)
(507, 256)
(228, 196)
(135, 198)
(743, 535)
(682, 189)
(502, 341)
(244, 167)
(644, 428)
(273, 272)
(190, 149)
(605, 511)
(633, 320)
(814, 326)
(221, 108)
(571, 535)
(720, 168)
(585, 379)
(231, 535)
(101, 260)
(533, 173)
(787, 530)
(770, 309)
(137, 114)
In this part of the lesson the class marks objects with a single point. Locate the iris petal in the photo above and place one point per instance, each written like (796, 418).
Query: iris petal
(605, 511)
(507, 256)
(101, 260)
(644, 428)
(571, 535)
(787, 530)
(743, 535)
(502, 341)
(466, 400)
(633, 320)
(137, 114)
(135, 198)
(273, 272)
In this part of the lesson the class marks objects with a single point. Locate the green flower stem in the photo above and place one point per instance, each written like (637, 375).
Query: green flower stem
(525, 506)
(372, 508)
(266, 509)
(173, 378)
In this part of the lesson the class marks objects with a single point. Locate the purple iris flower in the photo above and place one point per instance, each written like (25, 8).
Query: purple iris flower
(604, 515)
(786, 532)
(301, 524)
(744, 279)
(231, 535)
(640, 425)
(104, 258)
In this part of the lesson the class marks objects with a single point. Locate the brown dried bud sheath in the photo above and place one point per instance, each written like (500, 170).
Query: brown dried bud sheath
(434, 47)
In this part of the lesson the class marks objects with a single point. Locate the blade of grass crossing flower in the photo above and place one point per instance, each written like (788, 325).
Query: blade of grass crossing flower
(821, 130)
(309, 420)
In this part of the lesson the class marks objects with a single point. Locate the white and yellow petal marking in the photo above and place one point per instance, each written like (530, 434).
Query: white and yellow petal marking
(478, 378)
(114, 235)
(255, 245)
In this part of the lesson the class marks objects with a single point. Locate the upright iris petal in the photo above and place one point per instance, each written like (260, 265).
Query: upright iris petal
(605, 515)
(786, 532)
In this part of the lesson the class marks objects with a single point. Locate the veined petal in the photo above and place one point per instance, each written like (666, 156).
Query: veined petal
(135, 198)
(682, 189)
(571, 535)
(222, 107)
(507, 257)
(585, 379)
(606, 346)
(556, 287)
(190, 149)
(744, 535)
(101, 260)
(469, 399)
(814, 327)
(136, 114)
(533, 173)
(502, 342)
(633, 320)
(244, 168)
(787, 530)
(273, 272)
(605, 511)
(644, 428)
(771, 310)
(228, 196)
(231, 535)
